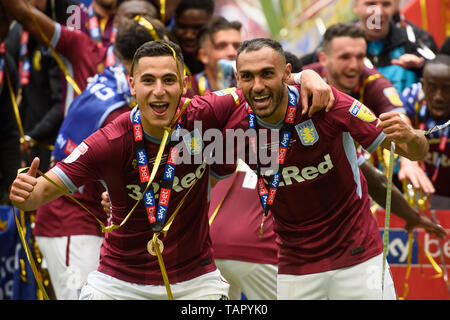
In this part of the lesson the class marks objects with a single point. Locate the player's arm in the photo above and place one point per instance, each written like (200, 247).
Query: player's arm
(28, 192)
(412, 171)
(377, 186)
(409, 143)
(20, 11)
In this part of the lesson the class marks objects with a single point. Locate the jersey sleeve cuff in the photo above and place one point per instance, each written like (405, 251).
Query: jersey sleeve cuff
(56, 35)
(376, 143)
(65, 179)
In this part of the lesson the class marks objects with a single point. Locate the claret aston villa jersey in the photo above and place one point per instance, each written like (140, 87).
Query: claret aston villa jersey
(109, 155)
(322, 210)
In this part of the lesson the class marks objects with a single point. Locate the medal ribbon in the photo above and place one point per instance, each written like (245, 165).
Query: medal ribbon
(94, 31)
(442, 146)
(2, 63)
(203, 84)
(167, 180)
(94, 28)
(24, 60)
(267, 197)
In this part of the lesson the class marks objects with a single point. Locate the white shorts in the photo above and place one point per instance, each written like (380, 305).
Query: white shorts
(69, 260)
(256, 280)
(100, 286)
(358, 282)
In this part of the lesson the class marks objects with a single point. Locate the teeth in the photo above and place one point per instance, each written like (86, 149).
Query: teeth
(159, 104)
(261, 97)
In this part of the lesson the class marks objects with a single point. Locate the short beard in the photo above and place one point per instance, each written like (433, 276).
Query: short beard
(279, 98)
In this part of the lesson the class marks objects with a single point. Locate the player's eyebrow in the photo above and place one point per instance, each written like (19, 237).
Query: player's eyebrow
(271, 68)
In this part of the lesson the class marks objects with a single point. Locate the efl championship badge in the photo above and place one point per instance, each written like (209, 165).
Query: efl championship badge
(393, 97)
(77, 152)
(194, 142)
(225, 91)
(307, 133)
(360, 111)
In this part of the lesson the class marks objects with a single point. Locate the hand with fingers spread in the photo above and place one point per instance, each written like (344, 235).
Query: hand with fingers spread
(320, 92)
(409, 61)
(24, 184)
(412, 172)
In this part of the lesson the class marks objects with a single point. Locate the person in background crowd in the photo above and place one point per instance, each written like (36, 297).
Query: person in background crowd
(396, 47)
(415, 33)
(341, 62)
(97, 21)
(218, 40)
(389, 48)
(169, 11)
(428, 104)
(190, 16)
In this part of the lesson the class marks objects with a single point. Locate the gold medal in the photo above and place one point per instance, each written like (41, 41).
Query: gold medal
(151, 246)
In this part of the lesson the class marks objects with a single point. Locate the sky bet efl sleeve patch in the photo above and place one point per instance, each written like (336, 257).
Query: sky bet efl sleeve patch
(226, 91)
(392, 95)
(360, 111)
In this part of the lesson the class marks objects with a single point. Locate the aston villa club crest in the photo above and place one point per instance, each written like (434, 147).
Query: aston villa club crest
(307, 133)
(194, 142)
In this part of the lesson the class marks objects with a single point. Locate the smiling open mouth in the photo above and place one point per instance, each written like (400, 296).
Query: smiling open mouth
(261, 99)
(159, 108)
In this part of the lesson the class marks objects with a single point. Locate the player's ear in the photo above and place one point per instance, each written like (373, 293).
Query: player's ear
(131, 84)
(202, 56)
(185, 84)
(322, 57)
(287, 71)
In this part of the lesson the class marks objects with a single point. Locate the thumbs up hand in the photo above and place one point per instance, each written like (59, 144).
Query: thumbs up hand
(24, 184)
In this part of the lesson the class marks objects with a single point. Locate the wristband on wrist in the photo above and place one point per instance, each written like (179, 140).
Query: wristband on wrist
(298, 78)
